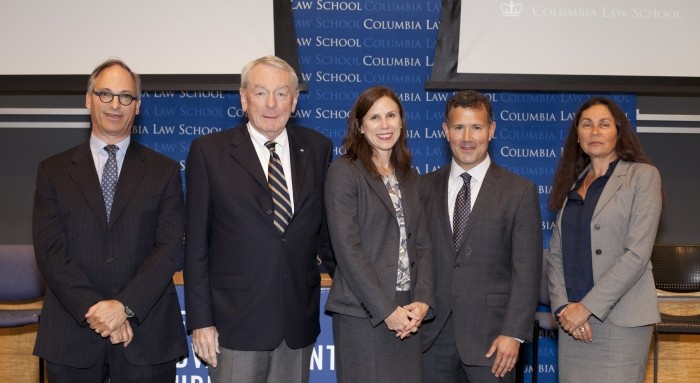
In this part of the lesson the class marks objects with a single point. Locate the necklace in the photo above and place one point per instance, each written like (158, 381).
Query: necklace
(585, 187)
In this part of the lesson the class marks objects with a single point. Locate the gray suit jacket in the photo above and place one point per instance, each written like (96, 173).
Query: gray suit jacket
(490, 284)
(365, 239)
(623, 231)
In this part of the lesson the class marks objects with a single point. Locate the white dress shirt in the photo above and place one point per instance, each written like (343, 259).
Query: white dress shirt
(282, 150)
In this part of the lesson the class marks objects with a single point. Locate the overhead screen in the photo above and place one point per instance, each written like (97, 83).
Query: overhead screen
(594, 45)
(173, 43)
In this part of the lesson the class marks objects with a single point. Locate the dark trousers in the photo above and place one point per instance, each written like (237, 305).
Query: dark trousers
(112, 365)
(442, 364)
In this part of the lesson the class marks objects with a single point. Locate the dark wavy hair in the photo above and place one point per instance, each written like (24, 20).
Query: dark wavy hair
(356, 145)
(574, 159)
(469, 99)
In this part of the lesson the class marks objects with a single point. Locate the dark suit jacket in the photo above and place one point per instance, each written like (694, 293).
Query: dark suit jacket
(254, 284)
(85, 260)
(365, 238)
(491, 283)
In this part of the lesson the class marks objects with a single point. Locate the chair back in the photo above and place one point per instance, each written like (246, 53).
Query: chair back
(20, 279)
(676, 268)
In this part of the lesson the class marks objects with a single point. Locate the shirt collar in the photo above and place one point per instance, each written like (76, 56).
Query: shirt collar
(97, 145)
(259, 139)
(478, 172)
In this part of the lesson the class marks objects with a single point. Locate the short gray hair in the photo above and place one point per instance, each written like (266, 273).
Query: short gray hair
(272, 61)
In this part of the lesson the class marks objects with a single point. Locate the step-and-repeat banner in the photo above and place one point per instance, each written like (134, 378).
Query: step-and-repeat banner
(345, 47)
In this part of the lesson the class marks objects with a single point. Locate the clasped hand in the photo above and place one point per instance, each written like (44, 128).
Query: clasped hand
(108, 319)
(574, 320)
(405, 320)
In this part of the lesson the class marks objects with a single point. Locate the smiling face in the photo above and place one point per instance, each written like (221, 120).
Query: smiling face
(597, 133)
(269, 99)
(381, 126)
(468, 131)
(112, 122)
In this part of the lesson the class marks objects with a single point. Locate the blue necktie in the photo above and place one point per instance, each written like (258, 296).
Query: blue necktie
(109, 177)
(462, 210)
(278, 187)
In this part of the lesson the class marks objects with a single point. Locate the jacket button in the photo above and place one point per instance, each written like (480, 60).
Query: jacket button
(110, 260)
(596, 226)
(370, 317)
(468, 250)
(413, 263)
(269, 212)
(456, 266)
(599, 252)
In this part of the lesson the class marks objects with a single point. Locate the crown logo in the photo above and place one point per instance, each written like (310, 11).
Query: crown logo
(511, 9)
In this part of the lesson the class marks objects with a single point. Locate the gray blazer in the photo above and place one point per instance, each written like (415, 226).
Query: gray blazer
(623, 231)
(490, 284)
(365, 238)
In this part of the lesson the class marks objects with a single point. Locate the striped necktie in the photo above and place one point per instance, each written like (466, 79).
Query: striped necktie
(278, 187)
(109, 177)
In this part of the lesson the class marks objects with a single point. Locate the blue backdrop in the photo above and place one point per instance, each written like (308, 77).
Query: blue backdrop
(345, 47)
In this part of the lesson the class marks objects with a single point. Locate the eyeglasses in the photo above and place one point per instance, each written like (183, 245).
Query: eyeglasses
(124, 98)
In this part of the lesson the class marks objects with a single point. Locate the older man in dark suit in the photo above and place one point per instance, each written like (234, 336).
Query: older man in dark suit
(255, 220)
(487, 253)
(108, 224)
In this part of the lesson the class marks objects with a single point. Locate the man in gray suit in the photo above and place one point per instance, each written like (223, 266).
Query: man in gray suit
(487, 253)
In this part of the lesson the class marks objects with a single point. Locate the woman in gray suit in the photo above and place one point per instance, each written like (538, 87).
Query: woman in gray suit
(600, 282)
(382, 287)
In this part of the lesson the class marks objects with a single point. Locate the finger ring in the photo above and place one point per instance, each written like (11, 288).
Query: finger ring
(97, 331)
(583, 329)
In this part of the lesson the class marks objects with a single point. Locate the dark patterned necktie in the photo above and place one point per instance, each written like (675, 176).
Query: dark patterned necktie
(278, 187)
(109, 177)
(462, 209)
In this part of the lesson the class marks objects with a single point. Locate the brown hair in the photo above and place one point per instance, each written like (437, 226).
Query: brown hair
(356, 145)
(469, 99)
(109, 63)
(574, 159)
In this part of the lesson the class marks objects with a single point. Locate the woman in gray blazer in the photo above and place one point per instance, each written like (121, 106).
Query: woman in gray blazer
(601, 287)
(382, 287)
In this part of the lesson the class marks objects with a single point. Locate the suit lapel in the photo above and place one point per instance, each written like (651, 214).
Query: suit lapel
(85, 177)
(409, 199)
(298, 155)
(134, 169)
(377, 186)
(488, 189)
(243, 152)
(441, 196)
(612, 186)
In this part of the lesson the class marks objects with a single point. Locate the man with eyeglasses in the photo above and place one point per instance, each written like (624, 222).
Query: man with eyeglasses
(108, 225)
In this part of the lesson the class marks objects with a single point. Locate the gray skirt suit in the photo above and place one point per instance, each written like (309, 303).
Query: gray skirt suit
(623, 299)
(365, 238)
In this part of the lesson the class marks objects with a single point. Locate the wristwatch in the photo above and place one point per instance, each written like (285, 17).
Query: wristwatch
(128, 311)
